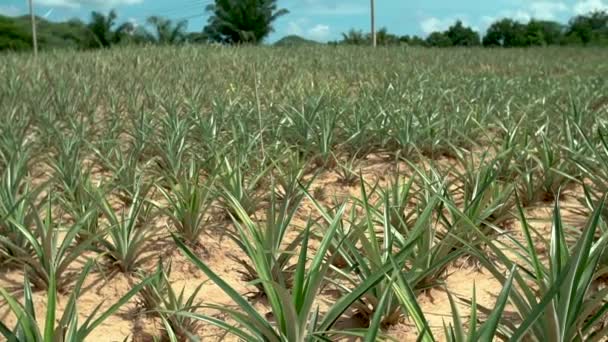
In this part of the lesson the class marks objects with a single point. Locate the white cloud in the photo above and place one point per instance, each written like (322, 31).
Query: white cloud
(487, 20)
(433, 24)
(542, 10)
(295, 27)
(547, 10)
(299, 26)
(91, 3)
(10, 10)
(586, 6)
(133, 21)
(319, 32)
(519, 15)
(331, 7)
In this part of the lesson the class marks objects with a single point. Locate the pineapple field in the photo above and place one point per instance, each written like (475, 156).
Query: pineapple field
(304, 194)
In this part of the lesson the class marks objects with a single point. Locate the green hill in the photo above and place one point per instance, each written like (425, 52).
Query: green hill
(294, 40)
(16, 34)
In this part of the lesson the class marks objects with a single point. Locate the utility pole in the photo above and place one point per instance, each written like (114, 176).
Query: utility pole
(373, 13)
(33, 19)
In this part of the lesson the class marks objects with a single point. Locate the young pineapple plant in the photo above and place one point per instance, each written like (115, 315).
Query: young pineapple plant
(16, 195)
(68, 168)
(295, 316)
(106, 145)
(232, 186)
(554, 301)
(265, 242)
(362, 130)
(127, 163)
(174, 308)
(326, 127)
(50, 246)
(189, 201)
(348, 169)
(435, 248)
(151, 296)
(57, 328)
(528, 183)
(344, 230)
(490, 329)
(373, 243)
(398, 196)
(594, 165)
(127, 232)
(485, 206)
(173, 147)
(84, 203)
(553, 168)
(288, 176)
(208, 130)
(312, 130)
(401, 133)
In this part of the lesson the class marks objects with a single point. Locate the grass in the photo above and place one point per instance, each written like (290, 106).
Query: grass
(352, 184)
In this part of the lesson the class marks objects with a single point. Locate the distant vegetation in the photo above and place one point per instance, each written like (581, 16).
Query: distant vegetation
(16, 34)
(590, 30)
(294, 40)
(230, 22)
(251, 21)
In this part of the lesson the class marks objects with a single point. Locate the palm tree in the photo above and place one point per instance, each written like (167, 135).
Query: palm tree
(165, 32)
(101, 27)
(242, 21)
(354, 37)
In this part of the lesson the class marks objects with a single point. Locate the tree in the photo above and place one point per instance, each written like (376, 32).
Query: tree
(383, 37)
(101, 27)
(354, 37)
(439, 39)
(196, 38)
(358, 37)
(166, 32)
(12, 36)
(242, 21)
(412, 40)
(591, 28)
(73, 33)
(505, 32)
(543, 32)
(460, 35)
(16, 34)
(104, 35)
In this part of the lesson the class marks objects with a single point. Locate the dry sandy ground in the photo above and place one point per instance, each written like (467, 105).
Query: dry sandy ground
(131, 321)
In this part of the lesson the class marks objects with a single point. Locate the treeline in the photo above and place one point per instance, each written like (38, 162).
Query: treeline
(251, 21)
(101, 31)
(230, 22)
(587, 29)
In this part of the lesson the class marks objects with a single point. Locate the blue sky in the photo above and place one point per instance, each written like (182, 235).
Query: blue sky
(326, 19)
